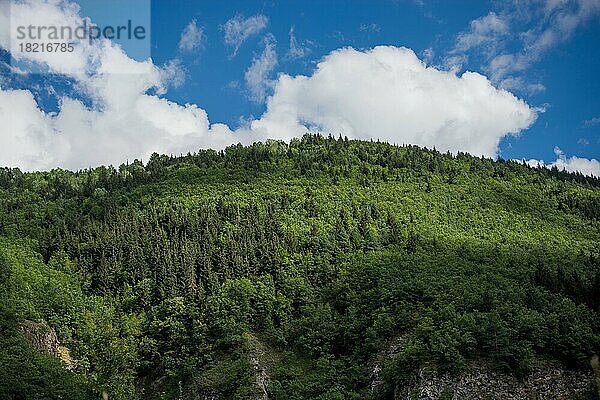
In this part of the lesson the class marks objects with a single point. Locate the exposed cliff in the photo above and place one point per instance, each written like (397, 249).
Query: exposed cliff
(480, 381)
(43, 338)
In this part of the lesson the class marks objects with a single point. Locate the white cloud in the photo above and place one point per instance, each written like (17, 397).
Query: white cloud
(485, 32)
(26, 140)
(557, 25)
(192, 37)
(297, 49)
(590, 167)
(388, 93)
(48, 13)
(173, 73)
(518, 83)
(454, 63)
(124, 123)
(257, 75)
(428, 55)
(238, 29)
(385, 93)
(534, 27)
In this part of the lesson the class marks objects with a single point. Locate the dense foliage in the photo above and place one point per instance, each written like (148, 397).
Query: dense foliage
(167, 280)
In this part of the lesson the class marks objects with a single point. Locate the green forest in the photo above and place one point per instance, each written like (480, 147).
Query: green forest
(184, 277)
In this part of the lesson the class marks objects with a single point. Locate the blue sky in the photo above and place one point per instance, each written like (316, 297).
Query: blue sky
(543, 52)
(569, 71)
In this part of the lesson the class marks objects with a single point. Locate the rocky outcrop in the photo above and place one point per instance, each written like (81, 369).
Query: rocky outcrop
(262, 375)
(214, 381)
(480, 381)
(394, 347)
(43, 338)
(262, 359)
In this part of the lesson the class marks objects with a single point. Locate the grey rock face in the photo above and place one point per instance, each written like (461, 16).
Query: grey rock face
(43, 338)
(481, 382)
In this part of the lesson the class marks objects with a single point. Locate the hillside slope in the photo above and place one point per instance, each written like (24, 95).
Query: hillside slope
(284, 271)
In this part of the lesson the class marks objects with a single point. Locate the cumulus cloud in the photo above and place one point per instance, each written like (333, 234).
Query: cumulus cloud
(257, 75)
(192, 37)
(48, 13)
(26, 139)
(125, 122)
(389, 94)
(590, 167)
(385, 93)
(238, 29)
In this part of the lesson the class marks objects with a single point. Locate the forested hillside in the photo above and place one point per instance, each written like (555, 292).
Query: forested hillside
(287, 270)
